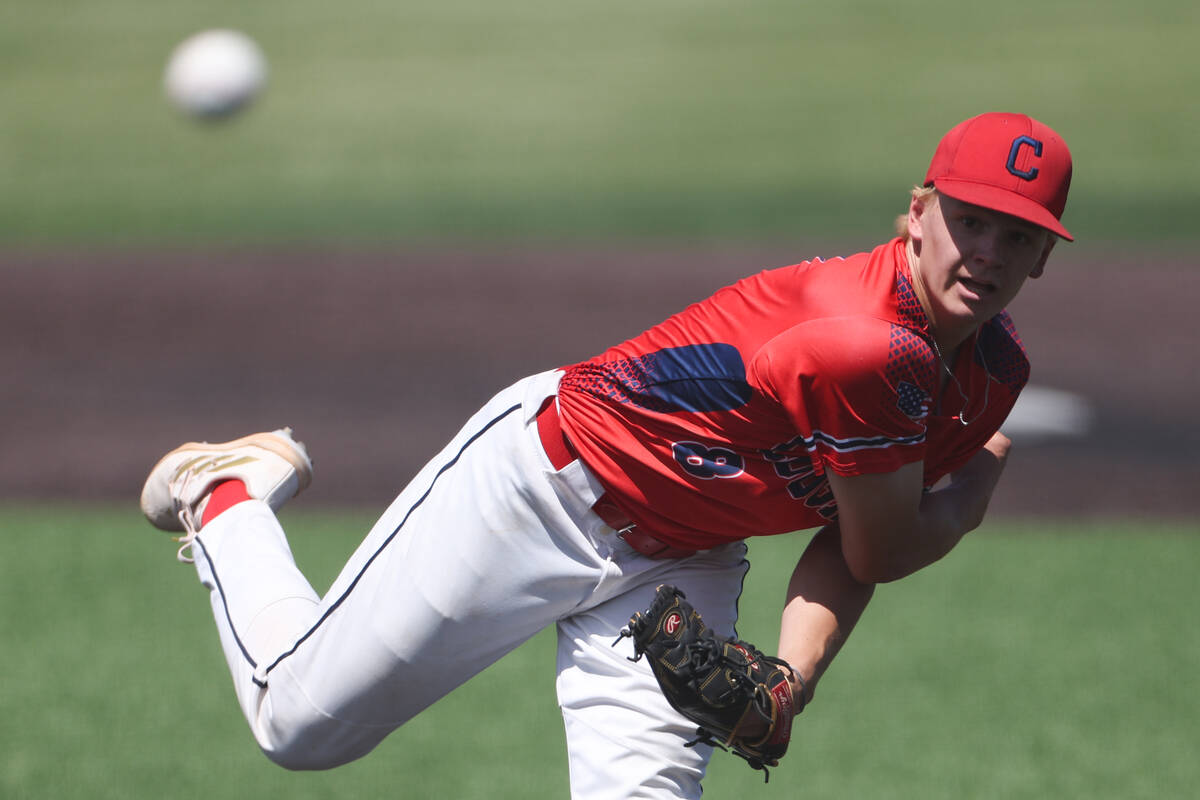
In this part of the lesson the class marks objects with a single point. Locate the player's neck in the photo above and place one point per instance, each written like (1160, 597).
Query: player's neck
(946, 337)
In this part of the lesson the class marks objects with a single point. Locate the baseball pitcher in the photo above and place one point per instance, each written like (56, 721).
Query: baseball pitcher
(611, 498)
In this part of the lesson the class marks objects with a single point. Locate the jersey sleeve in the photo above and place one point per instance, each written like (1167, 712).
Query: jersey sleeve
(858, 390)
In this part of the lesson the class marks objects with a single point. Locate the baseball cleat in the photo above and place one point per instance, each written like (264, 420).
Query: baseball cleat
(273, 466)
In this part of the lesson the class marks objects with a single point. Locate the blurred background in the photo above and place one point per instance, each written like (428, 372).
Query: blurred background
(433, 199)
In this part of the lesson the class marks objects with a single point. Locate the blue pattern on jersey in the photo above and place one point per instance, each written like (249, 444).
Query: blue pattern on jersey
(695, 378)
(1002, 353)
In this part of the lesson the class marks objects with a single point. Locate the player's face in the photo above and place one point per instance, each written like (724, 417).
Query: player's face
(972, 261)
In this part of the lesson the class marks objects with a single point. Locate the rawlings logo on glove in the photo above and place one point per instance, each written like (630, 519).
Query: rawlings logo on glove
(741, 699)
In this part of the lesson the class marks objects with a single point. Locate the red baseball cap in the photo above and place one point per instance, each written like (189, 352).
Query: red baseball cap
(1009, 163)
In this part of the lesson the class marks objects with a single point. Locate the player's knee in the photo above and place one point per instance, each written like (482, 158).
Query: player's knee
(308, 754)
(300, 758)
(293, 760)
(315, 742)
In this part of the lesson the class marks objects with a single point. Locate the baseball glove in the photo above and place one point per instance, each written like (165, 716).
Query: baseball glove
(741, 699)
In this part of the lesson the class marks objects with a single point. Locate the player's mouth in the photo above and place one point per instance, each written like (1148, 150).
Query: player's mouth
(979, 289)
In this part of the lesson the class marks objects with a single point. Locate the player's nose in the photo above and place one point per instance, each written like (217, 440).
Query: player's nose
(986, 250)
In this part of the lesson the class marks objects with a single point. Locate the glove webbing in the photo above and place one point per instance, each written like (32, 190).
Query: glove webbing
(708, 650)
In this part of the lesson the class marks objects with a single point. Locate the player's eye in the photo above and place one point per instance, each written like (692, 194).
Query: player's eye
(1019, 237)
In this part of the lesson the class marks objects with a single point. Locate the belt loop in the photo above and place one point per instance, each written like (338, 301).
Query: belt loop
(560, 453)
(554, 442)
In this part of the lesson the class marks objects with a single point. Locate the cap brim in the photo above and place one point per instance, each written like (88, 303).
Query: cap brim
(1004, 201)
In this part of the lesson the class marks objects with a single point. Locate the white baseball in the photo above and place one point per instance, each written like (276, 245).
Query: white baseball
(215, 73)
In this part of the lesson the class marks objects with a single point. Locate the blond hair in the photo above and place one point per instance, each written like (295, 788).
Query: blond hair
(924, 194)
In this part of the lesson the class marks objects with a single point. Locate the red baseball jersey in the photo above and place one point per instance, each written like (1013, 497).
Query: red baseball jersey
(721, 422)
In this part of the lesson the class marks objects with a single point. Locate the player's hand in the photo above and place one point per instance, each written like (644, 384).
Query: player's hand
(985, 466)
(998, 446)
(977, 479)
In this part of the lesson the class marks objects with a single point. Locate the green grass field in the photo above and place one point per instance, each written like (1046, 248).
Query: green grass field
(389, 121)
(1038, 660)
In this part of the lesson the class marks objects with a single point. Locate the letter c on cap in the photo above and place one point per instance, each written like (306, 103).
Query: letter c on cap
(1032, 172)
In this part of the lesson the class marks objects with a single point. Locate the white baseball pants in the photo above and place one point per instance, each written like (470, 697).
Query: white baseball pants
(485, 547)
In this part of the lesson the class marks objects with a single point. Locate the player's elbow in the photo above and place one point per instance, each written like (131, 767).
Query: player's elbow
(876, 564)
(872, 570)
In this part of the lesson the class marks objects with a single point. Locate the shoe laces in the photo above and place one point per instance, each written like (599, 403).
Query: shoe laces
(189, 515)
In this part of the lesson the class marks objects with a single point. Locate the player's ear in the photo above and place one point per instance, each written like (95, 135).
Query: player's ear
(915, 210)
(918, 215)
(1040, 267)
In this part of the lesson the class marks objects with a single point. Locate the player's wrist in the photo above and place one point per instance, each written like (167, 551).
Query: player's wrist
(802, 692)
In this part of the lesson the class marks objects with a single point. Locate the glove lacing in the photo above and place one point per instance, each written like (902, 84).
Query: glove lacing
(700, 654)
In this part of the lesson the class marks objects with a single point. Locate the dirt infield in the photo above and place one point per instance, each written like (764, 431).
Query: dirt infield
(376, 358)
